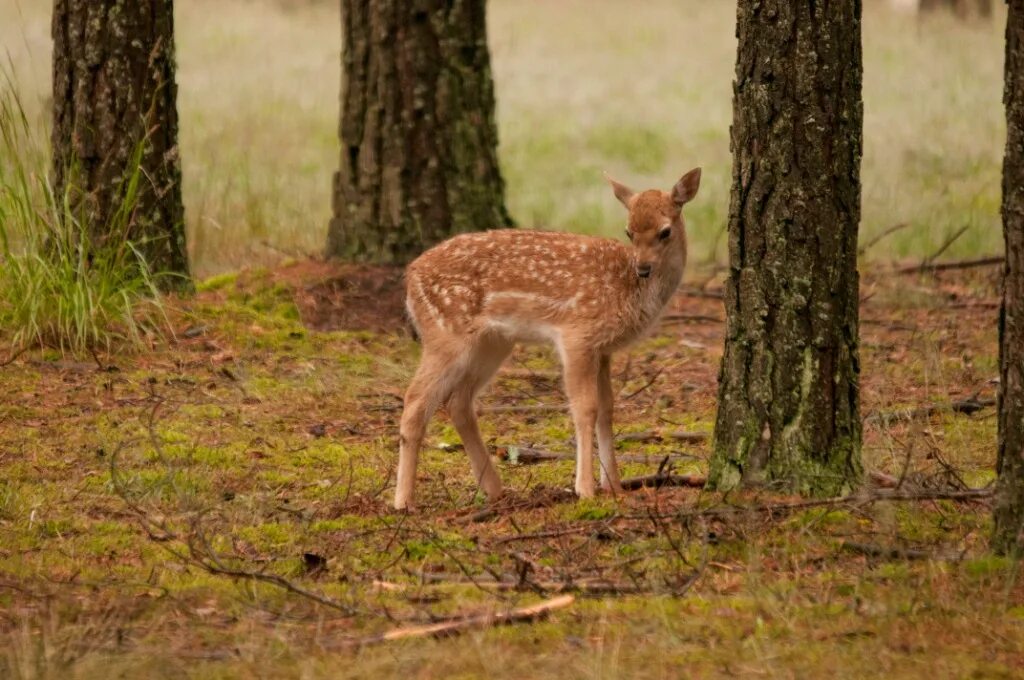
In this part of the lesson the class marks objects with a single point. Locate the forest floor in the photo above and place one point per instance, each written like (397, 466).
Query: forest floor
(219, 506)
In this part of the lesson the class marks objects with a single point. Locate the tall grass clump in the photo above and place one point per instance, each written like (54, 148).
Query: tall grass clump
(65, 283)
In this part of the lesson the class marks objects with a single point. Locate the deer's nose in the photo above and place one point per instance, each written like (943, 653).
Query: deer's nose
(643, 270)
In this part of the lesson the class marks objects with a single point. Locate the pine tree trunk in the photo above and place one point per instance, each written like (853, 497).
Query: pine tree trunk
(113, 95)
(788, 410)
(1009, 506)
(419, 141)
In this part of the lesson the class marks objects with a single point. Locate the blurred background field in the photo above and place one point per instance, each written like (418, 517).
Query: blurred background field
(641, 90)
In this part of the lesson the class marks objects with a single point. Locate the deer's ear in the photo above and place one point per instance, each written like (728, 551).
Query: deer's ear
(686, 188)
(622, 192)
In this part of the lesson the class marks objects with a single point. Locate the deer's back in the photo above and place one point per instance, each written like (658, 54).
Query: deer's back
(528, 285)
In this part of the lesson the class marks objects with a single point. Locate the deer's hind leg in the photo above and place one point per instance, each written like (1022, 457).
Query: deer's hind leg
(437, 373)
(483, 362)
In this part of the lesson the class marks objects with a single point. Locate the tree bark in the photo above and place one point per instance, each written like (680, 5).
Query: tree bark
(419, 142)
(1009, 505)
(788, 409)
(115, 118)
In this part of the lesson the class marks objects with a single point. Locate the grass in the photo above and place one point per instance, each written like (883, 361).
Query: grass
(261, 442)
(643, 92)
(59, 287)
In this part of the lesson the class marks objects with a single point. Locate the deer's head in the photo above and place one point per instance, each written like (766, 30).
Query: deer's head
(656, 227)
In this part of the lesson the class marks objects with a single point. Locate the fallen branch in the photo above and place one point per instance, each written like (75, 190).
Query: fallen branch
(588, 586)
(652, 436)
(956, 264)
(458, 625)
(657, 481)
(891, 230)
(976, 304)
(552, 533)
(14, 355)
(946, 244)
(883, 480)
(872, 550)
(650, 381)
(525, 455)
(523, 408)
(855, 499)
(965, 406)
(199, 552)
(211, 564)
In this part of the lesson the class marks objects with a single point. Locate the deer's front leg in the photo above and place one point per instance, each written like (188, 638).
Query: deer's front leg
(605, 441)
(581, 368)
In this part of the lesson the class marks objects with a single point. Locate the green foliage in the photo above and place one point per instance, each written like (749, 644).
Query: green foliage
(64, 283)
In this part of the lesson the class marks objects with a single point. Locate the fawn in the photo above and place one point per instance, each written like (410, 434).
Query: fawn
(472, 297)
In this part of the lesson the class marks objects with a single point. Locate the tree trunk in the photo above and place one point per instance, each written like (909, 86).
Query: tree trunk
(1009, 504)
(788, 398)
(419, 143)
(113, 99)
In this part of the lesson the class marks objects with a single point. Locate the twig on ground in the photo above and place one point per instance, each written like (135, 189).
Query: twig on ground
(863, 497)
(657, 481)
(650, 381)
(587, 586)
(538, 535)
(14, 355)
(523, 408)
(965, 406)
(211, 564)
(883, 480)
(460, 624)
(525, 455)
(945, 245)
(872, 550)
(891, 230)
(200, 554)
(955, 264)
(653, 436)
(976, 304)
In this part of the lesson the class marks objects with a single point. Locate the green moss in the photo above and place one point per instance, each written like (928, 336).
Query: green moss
(591, 509)
(988, 565)
(269, 536)
(217, 282)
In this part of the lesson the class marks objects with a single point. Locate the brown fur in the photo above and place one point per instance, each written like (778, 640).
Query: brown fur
(475, 295)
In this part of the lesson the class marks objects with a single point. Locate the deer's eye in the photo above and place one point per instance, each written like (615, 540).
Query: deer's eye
(664, 233)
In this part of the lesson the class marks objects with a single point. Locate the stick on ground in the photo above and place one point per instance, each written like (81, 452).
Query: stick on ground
(534, 612)
(658, 481)
(957, 264)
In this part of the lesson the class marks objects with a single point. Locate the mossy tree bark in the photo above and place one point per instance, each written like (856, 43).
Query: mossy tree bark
(1009, 505)
(788, 410)
(114, 96)
(419, 142)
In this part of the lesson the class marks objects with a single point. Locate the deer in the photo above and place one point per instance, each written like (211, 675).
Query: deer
(472, 298)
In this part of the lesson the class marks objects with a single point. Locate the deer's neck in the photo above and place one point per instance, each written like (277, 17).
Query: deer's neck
(656, 291)
(671, 274)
